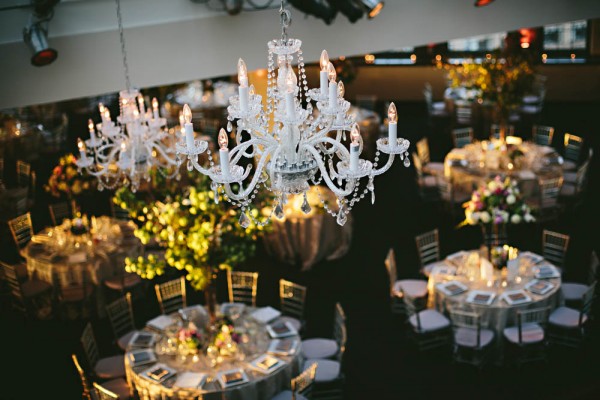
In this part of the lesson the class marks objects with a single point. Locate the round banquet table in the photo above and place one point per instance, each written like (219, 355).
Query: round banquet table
(306, 239)
(478, 162)
(499, 314)
(259, 386)
(62, 259)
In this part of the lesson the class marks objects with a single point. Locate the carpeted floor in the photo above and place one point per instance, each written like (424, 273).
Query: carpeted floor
(380, 362)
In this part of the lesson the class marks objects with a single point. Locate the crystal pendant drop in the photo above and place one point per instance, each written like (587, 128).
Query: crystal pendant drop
(229, 126)
(372, 197)
(190, 166)
(244, 220)
(341, 218)
(100, 187)
(406, 162)
(279, 211)
(305, 206)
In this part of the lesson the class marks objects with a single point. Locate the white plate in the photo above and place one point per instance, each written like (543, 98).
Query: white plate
(165, 373)
(161, 322)
(540, 287)
(546, 271)
(281, 329)
(266, 364)
(238, 375)
(265, 315)
(141, 357)
(190, 380)
(481, 297)
(515, 297)
(225, 307)
(283, 347)
(142, 336)
(452, 288)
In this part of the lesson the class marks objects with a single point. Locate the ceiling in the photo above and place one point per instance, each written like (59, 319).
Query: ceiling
(178, 40)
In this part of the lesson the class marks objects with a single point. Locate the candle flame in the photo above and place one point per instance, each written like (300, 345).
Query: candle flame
(223, 140)
(154, 103)
(91, 125)
(392, 113)
(355, 134)
(141, 100)
(324, 61)
(187, 114)
(80, 144)
(251, 90)
(181, 119)
(106, 114)
(331, 72)
(101, 108)
(242, 73)
(290, 80)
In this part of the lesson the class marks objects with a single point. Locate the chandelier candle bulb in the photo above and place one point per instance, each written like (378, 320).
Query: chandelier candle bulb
(155, 108)
(290, 82)
(82, 149)
(181, 122)
(393, 125)
(243, 81)
(333, 89)
(92, 132)
(188, 127)
(224, 153)
(354, 148)
(142, 106)
(339, 118)
(323, 75)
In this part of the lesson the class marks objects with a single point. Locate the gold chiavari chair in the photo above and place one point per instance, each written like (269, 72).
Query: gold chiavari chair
(573, 291)
(415, 289)
(567, 326)
(104, 394)
(26, 296)
(292, 298)
(428, 246)
(429, 328)
(573, 145)
(321, 348)
(577, 180)
(495, 131)
(23, 173)
(542, 135)
(549, 192)
(462, 137)
(59, 212)
(554, 247)
(21, 230)
(301, 386)
(117, 386)
(104, 368)
(171, 295)
(463, 112)
(396, 300)
(242, 287)
(527, 340)
(120, 315)
(75, 291)
(432, 168)
(87, 395)
(471, 341)
(428, 188)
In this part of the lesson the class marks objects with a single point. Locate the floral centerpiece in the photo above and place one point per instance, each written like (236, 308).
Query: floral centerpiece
(225, 339)
(66, 182)
(498, 202)
(190, 339)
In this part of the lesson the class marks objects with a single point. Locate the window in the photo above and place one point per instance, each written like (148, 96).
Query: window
(490, 42)
(567, 36)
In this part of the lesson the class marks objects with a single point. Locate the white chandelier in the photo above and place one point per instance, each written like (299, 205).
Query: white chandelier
(124, 153)
(292, 144)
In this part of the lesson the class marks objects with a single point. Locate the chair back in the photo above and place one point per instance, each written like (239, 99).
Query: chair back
(242, 287)
(339, 329)
(390, 266)
(463, 112)
(303, 383)
(84, 380)
(581, 176)
(467, 320)
(428, 246)
(532, 316)
(9, 274)
(171, 295)
(292, 297)
(90, 347)
(23, 173)
(588, 300)
(549, 191)
(120, 315)
(594, 264)
(59, 212)
(445, 188)
(496, 130)
(573, 145)
(494, 234)
(104, 394)
(117, 212)
(423, 150)
(542, 135)
(21, 230)
(554, 247)
(462, 137)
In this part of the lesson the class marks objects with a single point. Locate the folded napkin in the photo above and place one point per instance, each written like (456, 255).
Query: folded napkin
(161, 322)
(265, 314)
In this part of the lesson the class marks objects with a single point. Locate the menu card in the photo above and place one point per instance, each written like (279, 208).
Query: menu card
(141, 357)
(516, 297)
(284, 347)
(232, 378)
(452, 288)
(481, 297)
(546, 271)
(281, 329)
(539, 286)
(142, 339)
(159, 373)
(266, 363)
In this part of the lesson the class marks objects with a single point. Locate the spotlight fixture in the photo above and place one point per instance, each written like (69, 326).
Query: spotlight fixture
(373, 7)
(319, 9)
(350, 9)
(233, 7)
(35, 36)
(481, 3)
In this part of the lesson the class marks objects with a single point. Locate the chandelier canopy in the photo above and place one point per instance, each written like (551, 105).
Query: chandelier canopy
(125, 152)
(293, 144)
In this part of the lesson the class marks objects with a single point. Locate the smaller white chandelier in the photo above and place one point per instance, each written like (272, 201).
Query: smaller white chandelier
(125, 152)
(292, 145)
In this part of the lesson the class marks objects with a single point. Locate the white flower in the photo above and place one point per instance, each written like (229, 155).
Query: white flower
(515, 219)
(528, 217)
(484, 216)
(492, 185)
(487, 193)
(474, 218)
(510, 199)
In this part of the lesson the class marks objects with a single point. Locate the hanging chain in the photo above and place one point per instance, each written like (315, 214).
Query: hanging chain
(123, 51)
(286, 20)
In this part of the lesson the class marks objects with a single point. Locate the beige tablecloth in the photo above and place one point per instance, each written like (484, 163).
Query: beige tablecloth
(260, 386)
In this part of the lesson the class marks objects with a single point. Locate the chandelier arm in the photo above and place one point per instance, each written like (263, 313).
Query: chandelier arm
(383, 169)
(239, 150)
(199, 167)
(338, 191)
(242, 194)
(335, 144)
